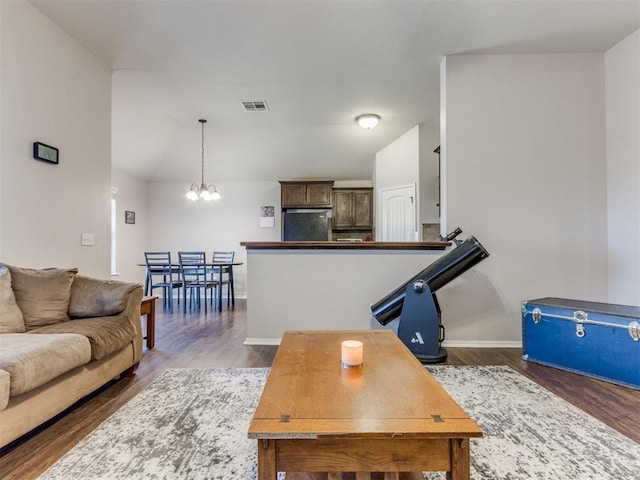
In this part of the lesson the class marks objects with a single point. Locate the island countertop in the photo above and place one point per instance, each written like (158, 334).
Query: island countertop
(345, 245)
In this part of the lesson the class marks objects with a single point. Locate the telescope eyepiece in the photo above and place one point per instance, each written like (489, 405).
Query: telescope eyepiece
(452, 235)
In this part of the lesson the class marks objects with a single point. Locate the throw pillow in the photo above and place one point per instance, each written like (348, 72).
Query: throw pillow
(11, 320)
(42, 295)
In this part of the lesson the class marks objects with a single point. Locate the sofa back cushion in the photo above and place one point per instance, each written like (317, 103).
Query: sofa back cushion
(91, 297)
(42, 295)
(11, 319)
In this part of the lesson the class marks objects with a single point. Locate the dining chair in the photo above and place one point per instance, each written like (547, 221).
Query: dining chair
(162, 274)
(227, 273)
(195, 276)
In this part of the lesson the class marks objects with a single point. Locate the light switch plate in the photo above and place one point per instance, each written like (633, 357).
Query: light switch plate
(88, 239)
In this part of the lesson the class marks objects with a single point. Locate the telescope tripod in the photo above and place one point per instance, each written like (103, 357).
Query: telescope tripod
(420, 327)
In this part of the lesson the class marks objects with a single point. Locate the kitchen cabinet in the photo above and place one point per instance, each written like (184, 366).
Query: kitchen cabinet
(310, 194)
(352, 208)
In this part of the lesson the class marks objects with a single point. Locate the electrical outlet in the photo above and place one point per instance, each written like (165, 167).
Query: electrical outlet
(88, 239)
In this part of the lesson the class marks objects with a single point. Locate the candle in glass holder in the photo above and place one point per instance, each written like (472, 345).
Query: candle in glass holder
(352, 353)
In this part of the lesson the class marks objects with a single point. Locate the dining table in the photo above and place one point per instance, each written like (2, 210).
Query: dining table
(220, 270)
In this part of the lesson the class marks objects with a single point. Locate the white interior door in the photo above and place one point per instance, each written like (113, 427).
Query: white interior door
(398, 214)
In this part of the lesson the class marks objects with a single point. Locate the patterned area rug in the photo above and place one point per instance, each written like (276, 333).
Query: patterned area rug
(192, 424)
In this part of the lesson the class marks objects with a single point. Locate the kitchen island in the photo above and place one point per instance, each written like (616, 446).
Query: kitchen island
(325, 285)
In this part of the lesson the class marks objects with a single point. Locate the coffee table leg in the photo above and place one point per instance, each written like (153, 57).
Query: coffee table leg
(460, 459)
(267, 460)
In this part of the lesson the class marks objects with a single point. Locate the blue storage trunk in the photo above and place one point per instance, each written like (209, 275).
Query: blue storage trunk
(595, 339)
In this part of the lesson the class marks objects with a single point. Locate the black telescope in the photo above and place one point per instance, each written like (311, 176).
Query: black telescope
(415, 301)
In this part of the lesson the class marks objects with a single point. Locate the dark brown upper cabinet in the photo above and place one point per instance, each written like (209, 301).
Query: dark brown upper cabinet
(311, 194)
(352, 208)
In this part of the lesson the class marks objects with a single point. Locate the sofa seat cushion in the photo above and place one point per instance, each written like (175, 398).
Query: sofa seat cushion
(4, 389)
(33, 360)
(106, 335)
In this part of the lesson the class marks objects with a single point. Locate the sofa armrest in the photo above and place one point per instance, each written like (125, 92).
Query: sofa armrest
(133, 313)
(91, 297)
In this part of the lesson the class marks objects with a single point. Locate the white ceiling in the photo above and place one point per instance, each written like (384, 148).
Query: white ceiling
(317, 63)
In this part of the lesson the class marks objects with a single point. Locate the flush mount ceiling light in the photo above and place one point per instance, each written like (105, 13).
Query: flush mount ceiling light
(203, 191)
(368, 120)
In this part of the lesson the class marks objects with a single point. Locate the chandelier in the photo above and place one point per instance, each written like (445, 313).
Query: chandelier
(203, 191)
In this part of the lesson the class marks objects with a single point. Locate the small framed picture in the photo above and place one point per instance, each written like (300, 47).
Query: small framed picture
(129, 217)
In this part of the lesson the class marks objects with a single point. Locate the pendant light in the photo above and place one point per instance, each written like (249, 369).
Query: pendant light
(203, 191)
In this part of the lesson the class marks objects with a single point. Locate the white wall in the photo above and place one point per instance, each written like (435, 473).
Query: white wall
(622, 66)
(398, 164)
(429, 140)
(175, 223)
(524, 152)
(55, 92)
(131, 239)
(443, 147)
(1, 163)
(323, 289)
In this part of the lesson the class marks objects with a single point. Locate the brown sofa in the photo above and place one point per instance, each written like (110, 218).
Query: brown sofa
(62, 336)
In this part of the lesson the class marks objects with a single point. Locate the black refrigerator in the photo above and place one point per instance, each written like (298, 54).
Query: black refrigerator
(305, 226)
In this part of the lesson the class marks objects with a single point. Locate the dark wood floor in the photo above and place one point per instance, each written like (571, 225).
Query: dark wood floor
(215, 340)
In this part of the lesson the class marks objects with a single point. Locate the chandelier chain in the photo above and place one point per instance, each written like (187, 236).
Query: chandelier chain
(202, 122)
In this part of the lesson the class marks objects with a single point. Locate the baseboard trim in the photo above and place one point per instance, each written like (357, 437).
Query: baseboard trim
(449, 343)
(261, 341)
(482, 344)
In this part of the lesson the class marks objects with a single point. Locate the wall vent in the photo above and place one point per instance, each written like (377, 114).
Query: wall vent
(255, 106)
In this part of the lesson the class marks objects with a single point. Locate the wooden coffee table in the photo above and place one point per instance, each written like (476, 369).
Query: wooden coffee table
(388, 416)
